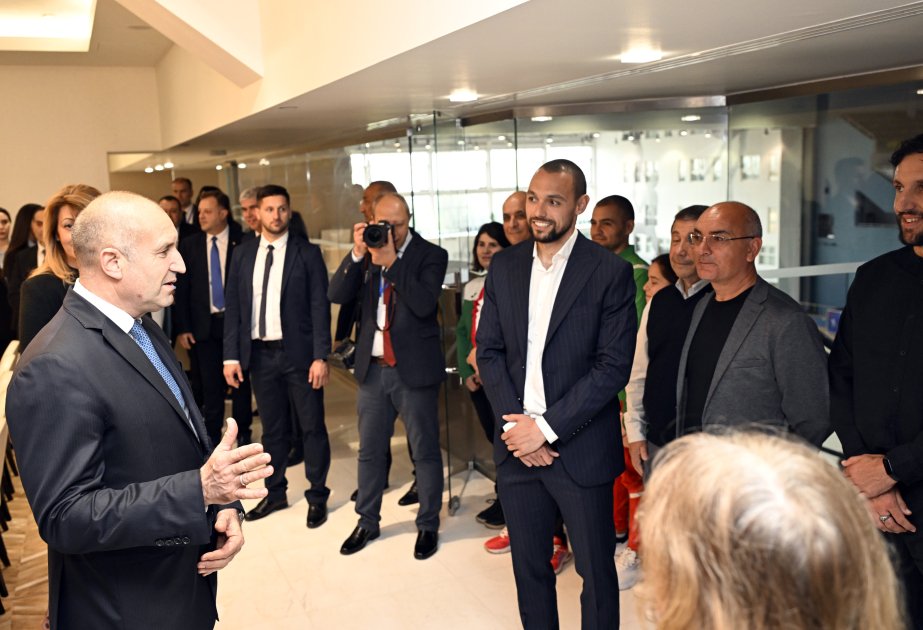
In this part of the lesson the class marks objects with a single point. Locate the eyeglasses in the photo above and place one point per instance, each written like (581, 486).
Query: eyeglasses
(714, 240)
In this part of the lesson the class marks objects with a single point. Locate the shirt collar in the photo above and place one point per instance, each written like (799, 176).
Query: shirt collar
(119, 317)
(695, 288)
(403, 248)
(277, 244)
(222, 235)
(563, 253)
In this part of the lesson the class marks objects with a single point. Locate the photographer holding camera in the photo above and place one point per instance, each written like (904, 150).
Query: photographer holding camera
(399, 361)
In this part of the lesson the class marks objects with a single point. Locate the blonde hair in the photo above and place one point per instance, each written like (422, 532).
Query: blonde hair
(749, 530)
(76, 196)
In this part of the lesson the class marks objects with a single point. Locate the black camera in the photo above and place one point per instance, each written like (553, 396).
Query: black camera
(376, 234)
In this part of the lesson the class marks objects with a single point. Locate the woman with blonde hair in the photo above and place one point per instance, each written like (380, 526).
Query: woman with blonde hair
(43, 292)
(749, 530)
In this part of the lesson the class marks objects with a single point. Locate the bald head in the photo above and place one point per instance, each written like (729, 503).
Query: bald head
(729, 236)
(112, 220)
(126, 252)
(515, 224)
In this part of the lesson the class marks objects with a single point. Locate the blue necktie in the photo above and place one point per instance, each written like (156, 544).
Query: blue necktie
(140, 336)
(217, 288)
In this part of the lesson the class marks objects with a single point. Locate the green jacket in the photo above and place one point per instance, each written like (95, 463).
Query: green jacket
(640, 270)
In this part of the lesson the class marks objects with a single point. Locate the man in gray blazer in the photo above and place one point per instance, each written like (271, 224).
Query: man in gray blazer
(751, 356)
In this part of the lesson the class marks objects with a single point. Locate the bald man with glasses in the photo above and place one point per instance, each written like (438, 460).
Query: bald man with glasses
(751, 356)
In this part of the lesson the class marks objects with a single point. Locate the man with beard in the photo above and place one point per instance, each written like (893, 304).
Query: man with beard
(876, 401)
(555, 344)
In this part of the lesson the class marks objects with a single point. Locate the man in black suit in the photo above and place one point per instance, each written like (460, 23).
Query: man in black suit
(277, 325)
(555, 345)
(111, 451)
(198, 315)
(171, 205)
(399, 363)
(182, 190)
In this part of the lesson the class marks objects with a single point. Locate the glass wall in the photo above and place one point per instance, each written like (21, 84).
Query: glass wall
(814, 167)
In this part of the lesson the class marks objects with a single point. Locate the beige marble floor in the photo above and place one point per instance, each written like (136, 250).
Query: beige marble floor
(290, 577)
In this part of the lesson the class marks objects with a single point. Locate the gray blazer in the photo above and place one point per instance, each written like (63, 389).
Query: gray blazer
(772, 369)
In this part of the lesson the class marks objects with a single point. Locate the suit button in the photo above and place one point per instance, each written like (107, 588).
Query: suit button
(894, 388)
(158, 542)
(168, 542)
(186, 540)
(178, 541)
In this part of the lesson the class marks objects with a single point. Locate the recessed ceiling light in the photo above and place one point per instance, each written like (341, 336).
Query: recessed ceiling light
(168, 164)
(596, 134)
(428, 147)
(549, 140)
(158, 167)
(218, 167)
(461, 143)
(684, 133)
(691, 118)
(241, 165)
(265, 162)
(68, 29)
(501, 138)
(641, 55)
(542, 118)
(149, 170)
(920, 91)
(463, 96)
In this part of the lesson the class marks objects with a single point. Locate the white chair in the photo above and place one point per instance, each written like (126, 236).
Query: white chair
(10, 356)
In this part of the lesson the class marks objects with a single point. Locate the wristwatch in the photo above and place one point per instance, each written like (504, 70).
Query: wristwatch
(888, 470)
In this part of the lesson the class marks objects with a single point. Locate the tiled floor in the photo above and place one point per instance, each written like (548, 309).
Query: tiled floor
(290, 577)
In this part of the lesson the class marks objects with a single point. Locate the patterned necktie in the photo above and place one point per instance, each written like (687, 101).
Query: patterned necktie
(141, 338)
(217, 288)
(266, 269)
(388, 354)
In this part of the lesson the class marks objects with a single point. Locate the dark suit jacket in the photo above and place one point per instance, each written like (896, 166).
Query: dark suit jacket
(305, 309)
(770, 371)
(22, 264)
(40, 298)
(110, 467)
(416, 278)
(192, 306)
(587, 356)
(876, 401)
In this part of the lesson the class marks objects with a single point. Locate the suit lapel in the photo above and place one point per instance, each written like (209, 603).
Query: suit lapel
(519, 295)
(134, 355)
(578, 270)
(749, 312)
(291, 251)
(247, 269)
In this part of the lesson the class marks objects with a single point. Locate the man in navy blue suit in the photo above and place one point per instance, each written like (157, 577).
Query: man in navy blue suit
(277, 325)
(555, 346)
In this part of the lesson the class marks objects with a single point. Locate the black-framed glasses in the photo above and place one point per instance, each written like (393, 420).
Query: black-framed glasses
(697, 238)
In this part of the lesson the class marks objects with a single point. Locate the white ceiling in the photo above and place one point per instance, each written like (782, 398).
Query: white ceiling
(545, 52)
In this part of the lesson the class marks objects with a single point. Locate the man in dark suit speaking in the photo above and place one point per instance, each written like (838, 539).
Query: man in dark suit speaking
(111, 446)
(555, 345)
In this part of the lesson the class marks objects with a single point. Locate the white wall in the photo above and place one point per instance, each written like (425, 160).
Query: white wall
(57, 125)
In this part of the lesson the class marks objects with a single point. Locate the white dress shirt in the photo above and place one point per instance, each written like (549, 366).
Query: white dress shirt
(635, 422)
(543, 289)
(222, 243)
(274, 291)
(120, 318)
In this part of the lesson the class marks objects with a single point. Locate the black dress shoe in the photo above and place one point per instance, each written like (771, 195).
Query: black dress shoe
(411, 497)
(357, 540)
(427, 544)
(295, 457)
(265, 508)
(317, 514)
(353, 496)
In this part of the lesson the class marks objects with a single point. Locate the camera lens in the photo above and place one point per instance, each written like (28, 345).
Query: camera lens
(376, 235)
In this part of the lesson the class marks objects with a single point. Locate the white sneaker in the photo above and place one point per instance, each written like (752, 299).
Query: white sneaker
(628, 567)
(620, 548)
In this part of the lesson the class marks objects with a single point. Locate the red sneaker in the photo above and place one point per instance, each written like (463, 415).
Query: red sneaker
(499, 543)
(560, 556)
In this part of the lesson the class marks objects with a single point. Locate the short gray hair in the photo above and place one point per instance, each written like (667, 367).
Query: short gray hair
(249, 193)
